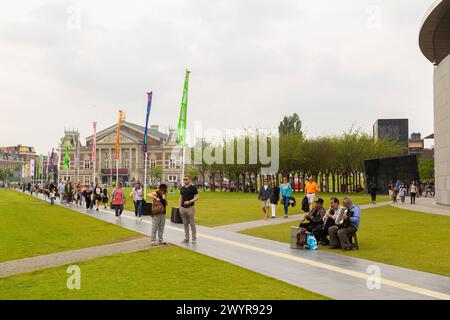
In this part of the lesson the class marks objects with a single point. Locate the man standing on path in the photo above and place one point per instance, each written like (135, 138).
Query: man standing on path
(188, 197)
(311, 190)
(264, 195)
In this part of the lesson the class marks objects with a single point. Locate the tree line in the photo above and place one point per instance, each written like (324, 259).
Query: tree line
(333, 161)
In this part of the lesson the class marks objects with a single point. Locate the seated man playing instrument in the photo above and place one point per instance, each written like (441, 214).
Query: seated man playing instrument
(314, 217)
(321, 232)
(347, 223)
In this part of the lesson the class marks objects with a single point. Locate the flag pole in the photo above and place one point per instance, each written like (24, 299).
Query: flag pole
(117, 172)
(182, 122)
(182, 164)
(121, 118)
(145, 176)
(145, 144)
(59, 161)
(94, 151)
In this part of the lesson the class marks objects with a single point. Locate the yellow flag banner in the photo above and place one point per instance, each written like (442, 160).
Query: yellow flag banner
(121, 118)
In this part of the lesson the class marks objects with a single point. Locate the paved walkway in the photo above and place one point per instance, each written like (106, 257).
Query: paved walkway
(333, 275)
(13, 267)
(237, 227)
(426, 205)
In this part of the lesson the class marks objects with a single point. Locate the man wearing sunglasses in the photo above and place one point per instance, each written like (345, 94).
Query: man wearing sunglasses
(188, 197)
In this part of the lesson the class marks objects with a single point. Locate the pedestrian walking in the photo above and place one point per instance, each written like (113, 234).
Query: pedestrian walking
(274, 199)
(311, 191)
(97, 196)
(264, 195)
(159, 213)
(118, 200)
(286, 193)
(372, 188)
(413, 192)
(402, 193)
(105, 196)
(137, 197)
(52, 196)
(87, 194)
(188, 196)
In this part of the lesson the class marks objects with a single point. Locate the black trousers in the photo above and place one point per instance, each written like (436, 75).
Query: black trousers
(310, 226)
(413, 198)
(321, 232)
(374, 197)
(118, 209)
(88, 202)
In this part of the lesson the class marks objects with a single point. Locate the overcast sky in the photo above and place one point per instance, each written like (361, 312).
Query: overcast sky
(335, 63)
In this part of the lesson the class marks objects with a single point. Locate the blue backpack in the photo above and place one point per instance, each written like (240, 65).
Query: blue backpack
(311, 242)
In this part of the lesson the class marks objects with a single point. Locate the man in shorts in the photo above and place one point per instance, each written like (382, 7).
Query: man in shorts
(311, 190)
(264, 196)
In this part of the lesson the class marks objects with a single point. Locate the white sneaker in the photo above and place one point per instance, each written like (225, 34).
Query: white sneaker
(140, 219)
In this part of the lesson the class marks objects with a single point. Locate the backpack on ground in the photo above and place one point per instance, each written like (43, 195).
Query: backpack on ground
(311, 242)
(302, 237)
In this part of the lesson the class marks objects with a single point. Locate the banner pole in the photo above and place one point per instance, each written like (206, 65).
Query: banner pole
(57, 166)
(145, 176)
(182, 163)
(94, 164)
(117, 172)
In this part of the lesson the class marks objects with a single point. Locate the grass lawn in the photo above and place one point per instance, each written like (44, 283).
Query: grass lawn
(393, 236)
(28, 229)
(9, 197)
(161, 273)
(222, 208)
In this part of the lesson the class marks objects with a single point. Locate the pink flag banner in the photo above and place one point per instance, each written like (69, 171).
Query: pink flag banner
(94, 143)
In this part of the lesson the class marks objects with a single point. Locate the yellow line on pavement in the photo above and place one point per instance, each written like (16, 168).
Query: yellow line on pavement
(355, 274)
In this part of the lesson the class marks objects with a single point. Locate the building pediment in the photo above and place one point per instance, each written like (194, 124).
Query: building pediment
(129, 133)
(111, 138)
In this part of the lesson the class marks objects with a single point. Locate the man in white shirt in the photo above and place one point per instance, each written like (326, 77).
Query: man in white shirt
(137, 198)
(321, 232)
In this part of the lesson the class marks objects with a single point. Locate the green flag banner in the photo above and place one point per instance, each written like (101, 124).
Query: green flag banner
(183, 113)
(66, 157)
(39, 166)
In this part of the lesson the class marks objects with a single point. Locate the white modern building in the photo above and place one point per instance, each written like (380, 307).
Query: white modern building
(434, 41)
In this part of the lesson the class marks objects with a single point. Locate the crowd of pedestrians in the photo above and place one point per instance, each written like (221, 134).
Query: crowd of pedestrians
(94, 196)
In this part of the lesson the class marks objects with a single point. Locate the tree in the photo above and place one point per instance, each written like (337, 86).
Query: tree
(193, 173)
(426, 169)
(291, 125)
(156, 172)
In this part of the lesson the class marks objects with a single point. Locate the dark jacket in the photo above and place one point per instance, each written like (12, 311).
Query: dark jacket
(275, 195)
(265, 194)
(305, 204)
(317, 214)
